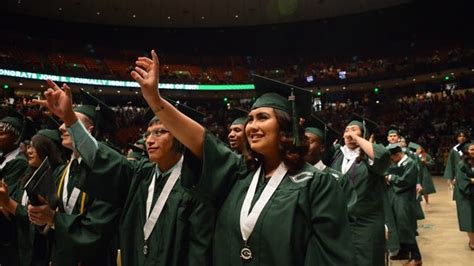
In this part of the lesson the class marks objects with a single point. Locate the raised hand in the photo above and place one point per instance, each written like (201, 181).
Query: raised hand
(59, 102)
(146, 73)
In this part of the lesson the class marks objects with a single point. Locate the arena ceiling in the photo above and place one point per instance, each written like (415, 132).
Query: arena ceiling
(193, 13)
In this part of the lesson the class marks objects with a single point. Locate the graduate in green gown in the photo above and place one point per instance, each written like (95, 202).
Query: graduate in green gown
(33, 246)
(455, 154)
(409, 148)
(393, 241)
(464, 190)
(13, 166)
(320, 136)
(236, 134)
(454, 157)
(82, 227)
(365, 164)
(402, 177)
(427, 179)
(299, 215)
(161, 223)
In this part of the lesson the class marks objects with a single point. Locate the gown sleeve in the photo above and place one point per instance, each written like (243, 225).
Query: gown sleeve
(405, 180)
(450, 167)
(201, 235)
(381, 161)
(332, 244)
(463, 180)
(221, 167)
(110, 176)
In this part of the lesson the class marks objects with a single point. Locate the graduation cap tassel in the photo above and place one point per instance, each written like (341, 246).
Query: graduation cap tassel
(294, 120)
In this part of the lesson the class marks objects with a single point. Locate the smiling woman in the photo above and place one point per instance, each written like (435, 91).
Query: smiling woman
(32, 247)
(276, 185)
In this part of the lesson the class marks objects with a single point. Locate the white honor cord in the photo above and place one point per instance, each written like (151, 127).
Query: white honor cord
(69, 202)
(24, 199)
(152, 217)
(248, 220)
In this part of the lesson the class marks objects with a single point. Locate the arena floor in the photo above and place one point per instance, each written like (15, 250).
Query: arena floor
(441, 243)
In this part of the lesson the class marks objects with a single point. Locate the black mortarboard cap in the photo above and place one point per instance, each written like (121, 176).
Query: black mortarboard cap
(368, 126)
(100, 114)
(463, 147)
(18, 121)
(188, 111)
(318, 127)
(394, 148)
(293, 100)
(238, 115)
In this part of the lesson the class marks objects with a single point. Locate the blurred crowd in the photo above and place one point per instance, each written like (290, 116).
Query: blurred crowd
(429, 119)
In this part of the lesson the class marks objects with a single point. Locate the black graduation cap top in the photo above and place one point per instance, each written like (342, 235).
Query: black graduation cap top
(100, 114)
(290, 99)
(367, 126)
(321, 129)
(276, 94)
(394, 148)
(52, 130)
(465, 145)
(239, 115)
(19, 122)
(188, 111)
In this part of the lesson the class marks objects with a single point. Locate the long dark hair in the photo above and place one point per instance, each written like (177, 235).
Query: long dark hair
(45, 147)
(291, 155)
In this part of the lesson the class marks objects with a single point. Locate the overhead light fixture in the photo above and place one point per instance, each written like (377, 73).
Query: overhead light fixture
(236, 16)
(98, 13)
(21, 84)
(100, 90)
(169, 17)
(60, 9)
(118, 91)
(203, 17)
(134, 16)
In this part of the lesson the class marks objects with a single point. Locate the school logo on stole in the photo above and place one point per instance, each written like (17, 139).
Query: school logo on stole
(301, 177)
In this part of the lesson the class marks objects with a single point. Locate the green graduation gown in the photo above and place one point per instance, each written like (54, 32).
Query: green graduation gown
(454, 158)
(304, 222)
(393, 241)
(465, 197)
(420, 215)
(403, 198)
(368, 226)
(83, 237)
(427, 179)
(11, 172)
(348, 190)
(183, 232)
(33, 247)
